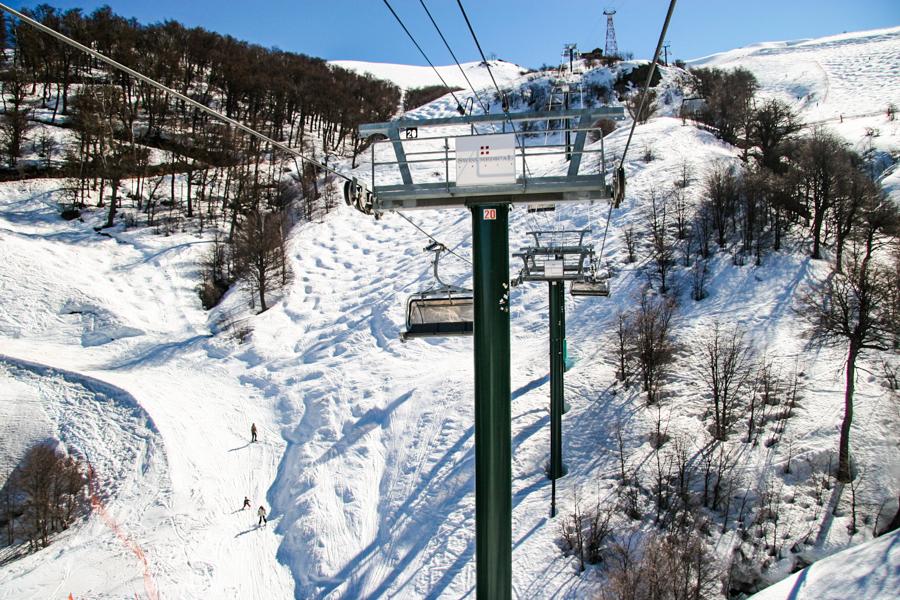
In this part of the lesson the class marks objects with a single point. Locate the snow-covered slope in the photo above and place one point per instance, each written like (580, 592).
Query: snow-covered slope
(845, 82)
(410, 76)
(171, 522)
(366, 451)
(106, 428)
(870, 570)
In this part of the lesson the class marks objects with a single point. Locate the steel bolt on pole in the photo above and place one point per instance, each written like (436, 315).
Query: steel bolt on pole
(493, 456)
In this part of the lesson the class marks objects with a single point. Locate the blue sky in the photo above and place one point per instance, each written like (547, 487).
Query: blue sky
(528, 32)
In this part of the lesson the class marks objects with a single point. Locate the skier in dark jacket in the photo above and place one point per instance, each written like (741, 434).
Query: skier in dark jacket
(253, 432)
(246, 503)
(262, 516)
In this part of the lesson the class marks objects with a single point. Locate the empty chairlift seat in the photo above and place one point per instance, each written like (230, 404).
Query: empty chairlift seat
(590, 286)
(439, 311)
(433, 315)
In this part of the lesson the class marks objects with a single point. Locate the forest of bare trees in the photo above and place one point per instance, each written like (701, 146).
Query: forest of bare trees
(174, 166)
(794, 189)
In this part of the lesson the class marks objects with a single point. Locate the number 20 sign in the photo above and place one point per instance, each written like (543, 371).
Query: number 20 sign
(490, 214)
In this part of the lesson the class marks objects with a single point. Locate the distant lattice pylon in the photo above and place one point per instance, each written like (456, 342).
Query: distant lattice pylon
(612, 49)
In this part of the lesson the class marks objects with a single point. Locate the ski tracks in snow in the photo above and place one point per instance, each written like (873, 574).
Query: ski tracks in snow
(106, 428)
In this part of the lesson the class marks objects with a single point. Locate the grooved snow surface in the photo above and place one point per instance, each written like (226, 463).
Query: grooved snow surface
(366, 447)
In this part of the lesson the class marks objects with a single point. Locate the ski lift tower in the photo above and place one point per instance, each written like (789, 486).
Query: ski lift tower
(556, 257)
(440, 164)
(568, 81)
(611, 48)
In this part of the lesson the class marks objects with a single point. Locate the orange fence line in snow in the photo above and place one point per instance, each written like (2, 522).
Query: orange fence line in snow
(97, 504)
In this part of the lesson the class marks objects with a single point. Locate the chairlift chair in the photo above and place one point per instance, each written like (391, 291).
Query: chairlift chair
(441, 310)
(591, 283)
(590, 286)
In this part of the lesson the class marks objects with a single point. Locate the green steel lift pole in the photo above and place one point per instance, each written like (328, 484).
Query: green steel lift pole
(493, 470)
(557, 366)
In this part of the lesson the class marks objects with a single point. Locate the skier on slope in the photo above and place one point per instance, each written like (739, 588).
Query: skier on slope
(262, 516)
(246, 503)
(253, 432)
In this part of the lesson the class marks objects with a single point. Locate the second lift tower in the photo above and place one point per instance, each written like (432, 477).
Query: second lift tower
(611, 49)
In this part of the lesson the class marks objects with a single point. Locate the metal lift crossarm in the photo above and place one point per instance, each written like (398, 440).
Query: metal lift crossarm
(523, 188)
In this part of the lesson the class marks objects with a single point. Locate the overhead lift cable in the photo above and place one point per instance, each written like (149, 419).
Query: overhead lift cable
(459, 106)
(480, 51)
(190, 101)
(620, 171)
(434, 239)
(659, 44)
(487, 65)
(456, 60)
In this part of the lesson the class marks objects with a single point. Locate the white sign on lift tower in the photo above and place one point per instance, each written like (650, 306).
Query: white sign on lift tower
(486, 159)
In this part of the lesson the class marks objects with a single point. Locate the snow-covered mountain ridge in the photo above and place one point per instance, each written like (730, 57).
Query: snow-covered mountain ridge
(366, 454)
(411, 76)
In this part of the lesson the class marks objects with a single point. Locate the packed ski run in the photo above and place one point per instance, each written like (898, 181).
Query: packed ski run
(364, 455)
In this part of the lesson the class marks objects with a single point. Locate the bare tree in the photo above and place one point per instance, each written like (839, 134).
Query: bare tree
(821, 163)
(675, 566)
(852, 528)
(662, 477)
(682, 460)
(771, 128)
(766, 387)
(725, 368)
(633, 104)
(584, 533)
(662, 247)
(858, 308)
(624, 346)
(855, 191)
(681, 215)
(14, 121)
(216, 272)
(686, 174)
(701, 230)
(258, 250)
(47, 147)
(722, 191)
(654, 346)
(630, 243)
(729, 99)
(572, 530)
(620, 452)
(699, 275)
(49, 484)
